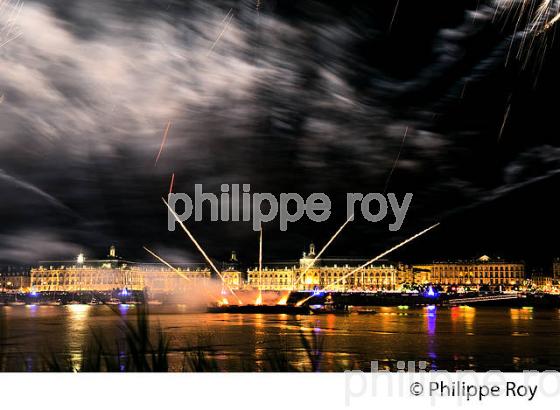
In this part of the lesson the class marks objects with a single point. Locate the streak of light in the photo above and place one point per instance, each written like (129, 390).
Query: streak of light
(504, 122)
(159, 258)
(227, 19)
(396, 161)
(6, 30)
(394, 15)
(283, 299)
(171, 183)
(351, 218)
(164, 139)
(9, 40)
(533, 19)
(195, 242)
(464, 90)
(381, 255)
(552, 22)
(39, 192)
(260, 263)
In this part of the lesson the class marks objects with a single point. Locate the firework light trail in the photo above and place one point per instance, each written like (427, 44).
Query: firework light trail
(226, 21)
(504, 122)
(36, 190)
(351, 218)
(172, 183)
(163, 141)
(396, 161)
(394, 15)
(533, 18)
(260, 298)
(381, 255)
(195, 242)
(178, 272)
(7, 26)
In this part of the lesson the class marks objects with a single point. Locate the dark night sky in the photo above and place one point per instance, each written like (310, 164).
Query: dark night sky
(304, 96)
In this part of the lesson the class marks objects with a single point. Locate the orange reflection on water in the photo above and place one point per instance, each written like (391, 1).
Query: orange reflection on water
(79, 329)
(465, 315)
(521, 314)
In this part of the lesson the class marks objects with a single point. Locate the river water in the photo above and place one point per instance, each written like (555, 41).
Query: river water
(446, 338)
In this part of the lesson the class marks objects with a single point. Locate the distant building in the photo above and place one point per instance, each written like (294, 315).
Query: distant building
(14, 279)
(159, 279)
(481, 271)
(543, 282)
(413, 274)
(232, 278)
(422, 274)
(86, 275)
(272, 278)
(330, 274)
(231, 272)
(556, 269)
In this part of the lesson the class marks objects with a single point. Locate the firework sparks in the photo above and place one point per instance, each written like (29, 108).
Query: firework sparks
(504, 122)
(226, 21)
(394, 15)
(533, 18)
(351, 218)
(8, 27)
(552, 22)
(381, 255)
(195, 242)
(259, 298)
(159, 258)
(172, 183)
(163, 141)
(283, 299)
(396, 161)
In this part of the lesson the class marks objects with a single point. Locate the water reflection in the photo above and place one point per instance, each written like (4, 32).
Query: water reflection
(32, 309)
(464, 315)
(431, 319)
(124, 308)
(521, 314)
(77, 332)
(430, 326)
(435, 334)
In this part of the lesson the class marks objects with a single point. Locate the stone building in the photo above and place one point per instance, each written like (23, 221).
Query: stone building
(481, 271)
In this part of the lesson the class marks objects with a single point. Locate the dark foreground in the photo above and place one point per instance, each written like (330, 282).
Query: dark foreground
(104, 338)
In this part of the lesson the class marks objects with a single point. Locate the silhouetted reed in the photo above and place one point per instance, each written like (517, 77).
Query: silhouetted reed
(146, 348)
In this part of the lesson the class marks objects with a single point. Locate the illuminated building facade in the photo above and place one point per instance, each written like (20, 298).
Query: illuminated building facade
(231, 272)
(81, 275)
(114, 273)
(84, 278)
(159, 279)
(232, 278)
(421, 274)
(482, 271)
(272, 278)
(12, 280)
(332, 274)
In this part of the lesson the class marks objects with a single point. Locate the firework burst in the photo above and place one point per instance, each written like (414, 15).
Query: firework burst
(533, 21)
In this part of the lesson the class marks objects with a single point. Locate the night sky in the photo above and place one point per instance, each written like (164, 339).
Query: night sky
(297, 96)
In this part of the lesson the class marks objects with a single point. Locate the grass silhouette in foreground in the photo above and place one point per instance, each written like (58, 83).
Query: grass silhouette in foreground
(146, 348)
